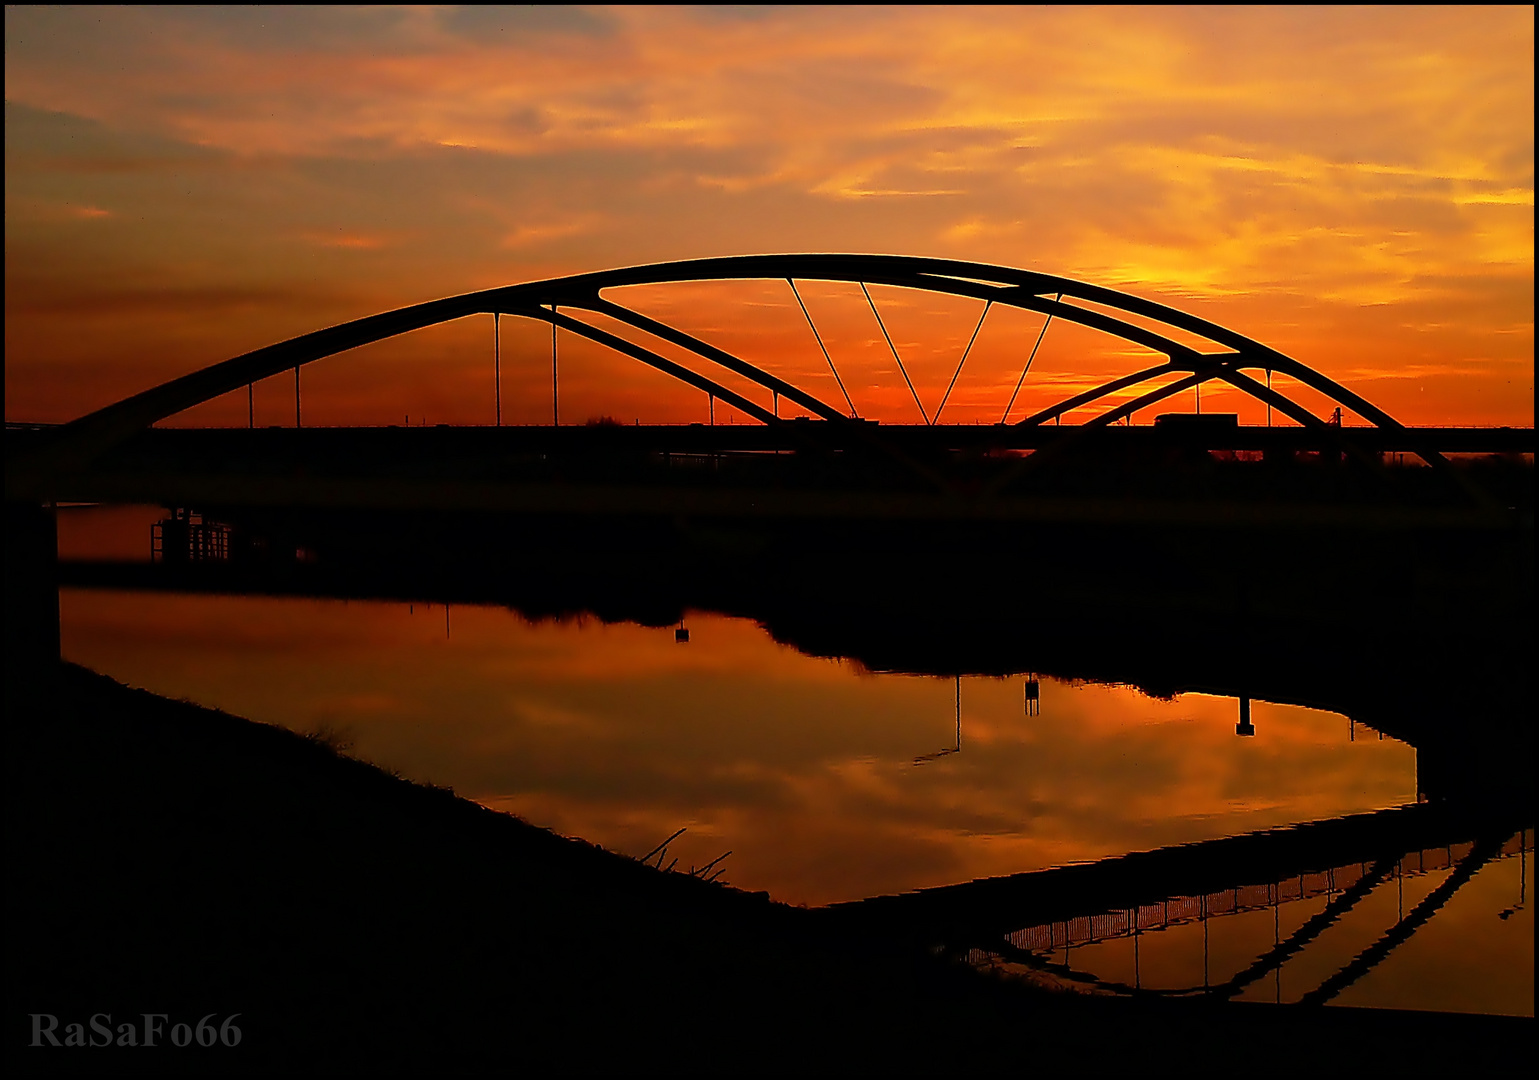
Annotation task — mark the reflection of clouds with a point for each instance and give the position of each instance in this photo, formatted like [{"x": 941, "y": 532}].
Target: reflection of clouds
[{"x": 802, "y": 766}]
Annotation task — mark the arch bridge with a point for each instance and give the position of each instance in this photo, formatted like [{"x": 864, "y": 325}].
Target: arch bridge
[
  {"x": 378, "y": 491},
  {"x": 568, "y": 303}
]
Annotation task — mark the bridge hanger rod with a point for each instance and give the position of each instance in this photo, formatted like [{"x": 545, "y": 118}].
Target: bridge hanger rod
[
  {"x": 1111, "y": 416},
  {"x": 819, "y": 336},
  {"x": 1294, "y": 411},
  {"x": 685, "y": 375},
  {"x": 1020, "y": 297},
  {"x": 652, "y": 359},
  {"x": 883, "y": 327},
  {"x": 943, "y": 275},
  {"x": 710, "y": 352},
  {"x": 1076, "y": 435},
  {"x": 1040, "y": 335},
  {"x": 1228, "y": 370},
  {"x": 947, "y": 395},
  {"x": 1183, "y": 356},
  {"x": 1069, "y": 404}
]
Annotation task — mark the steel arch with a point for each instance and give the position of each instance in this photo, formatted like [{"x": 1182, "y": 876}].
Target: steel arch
[{"x": 83, "y": 439}]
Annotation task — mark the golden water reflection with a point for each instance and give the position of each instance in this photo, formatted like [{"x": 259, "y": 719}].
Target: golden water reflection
[{"x": 804, "y": 768}]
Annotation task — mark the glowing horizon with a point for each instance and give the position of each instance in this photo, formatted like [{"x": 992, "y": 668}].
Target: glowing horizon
[{"x": 1351, "y": 187}]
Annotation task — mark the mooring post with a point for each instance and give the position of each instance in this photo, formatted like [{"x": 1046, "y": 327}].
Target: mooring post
[{"x": 296, "y": 395}]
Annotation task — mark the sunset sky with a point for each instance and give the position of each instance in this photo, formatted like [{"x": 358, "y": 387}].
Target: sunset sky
[{"x": 1354, "y": 187}]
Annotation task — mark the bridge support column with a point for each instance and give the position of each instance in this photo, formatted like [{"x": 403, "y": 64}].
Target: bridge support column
[{"x": 31, "y": 591}]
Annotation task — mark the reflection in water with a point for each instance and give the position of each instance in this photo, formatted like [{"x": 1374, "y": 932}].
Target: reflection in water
[
  {"x": 803, "y": 770},
  {"x": 1321, "y": 936},
  {"x": 956, "y": 747},
  {"x": 802, "y": 766}
]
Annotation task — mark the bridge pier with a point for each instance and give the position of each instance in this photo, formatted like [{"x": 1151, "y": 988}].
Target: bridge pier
[{"x": 31, "y": 590}]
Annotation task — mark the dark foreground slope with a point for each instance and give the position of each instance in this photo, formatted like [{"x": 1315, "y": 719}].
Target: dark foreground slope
[{"x": 166, "y": 859}]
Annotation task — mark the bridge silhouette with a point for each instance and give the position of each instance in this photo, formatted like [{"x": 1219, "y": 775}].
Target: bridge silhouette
[
  {"x": 833, "y": 465},
  {"x": 833, "y": 513},
  {"x": 1230, "y": 356},
  {"x": 1288, "y": 563}
]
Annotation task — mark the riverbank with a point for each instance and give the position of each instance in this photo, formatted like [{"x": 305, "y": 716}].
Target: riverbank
[{"x": 169, "y": 859}]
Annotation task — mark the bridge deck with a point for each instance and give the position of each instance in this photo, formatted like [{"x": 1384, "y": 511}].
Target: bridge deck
[{"x": 1188, "y": 474}]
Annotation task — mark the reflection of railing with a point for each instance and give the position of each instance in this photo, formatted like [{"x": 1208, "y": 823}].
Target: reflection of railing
[
  {"x": 1035, "y": 920},
  {"x": 1090, "y": 929},
  {"x": 984, "y": 911},
  {"x": 1034, "y": 949}
]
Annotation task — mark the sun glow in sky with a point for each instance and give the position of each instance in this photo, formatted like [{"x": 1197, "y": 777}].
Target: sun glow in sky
[{"x": 1353, "y": 187}]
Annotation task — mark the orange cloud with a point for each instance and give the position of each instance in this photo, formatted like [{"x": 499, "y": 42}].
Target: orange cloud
[
  {"x": 341, "y": 239},
  {"x": 1352, "y": 186}
]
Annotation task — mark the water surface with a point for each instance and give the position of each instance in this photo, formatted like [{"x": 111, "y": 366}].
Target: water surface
[
  {"x": 829, "y": 783},
  {"x": 805, "y": 768}
]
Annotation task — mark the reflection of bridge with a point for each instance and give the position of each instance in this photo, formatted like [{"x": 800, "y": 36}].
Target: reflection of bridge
[
  {"x": 1343, "y": 887},
  {"x": 1035, "y": 919}
]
